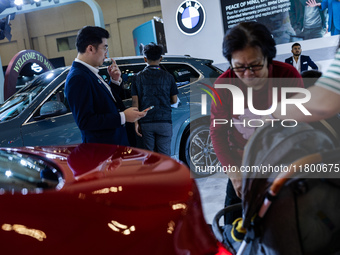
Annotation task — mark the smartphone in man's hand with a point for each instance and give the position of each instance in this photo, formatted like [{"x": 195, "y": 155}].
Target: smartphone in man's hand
[{"x": 149, "y": 108}]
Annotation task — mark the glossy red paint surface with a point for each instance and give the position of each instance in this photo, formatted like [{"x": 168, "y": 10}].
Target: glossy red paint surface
[{"x": 114, "y": 200}]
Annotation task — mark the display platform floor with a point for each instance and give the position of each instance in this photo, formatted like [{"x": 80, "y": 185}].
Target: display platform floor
[{"x": 212, "y": 190}]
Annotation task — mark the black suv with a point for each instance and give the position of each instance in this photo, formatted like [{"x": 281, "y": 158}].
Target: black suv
[{"x": 38, "y": 114}]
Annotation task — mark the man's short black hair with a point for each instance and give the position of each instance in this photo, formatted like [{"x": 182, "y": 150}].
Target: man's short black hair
[
  {"x": 251, "y": 34},
  {"x": 90, "y": 35},
  {"x": 296, "y": 44},
  {"x": 152, "y": 51}
]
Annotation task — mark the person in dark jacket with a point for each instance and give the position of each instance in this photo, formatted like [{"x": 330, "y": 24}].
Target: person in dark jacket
[
  {"x": 97, "y": 109},
  {"x": 154, "y": 90},
  {"x": 300, "y": 62}
]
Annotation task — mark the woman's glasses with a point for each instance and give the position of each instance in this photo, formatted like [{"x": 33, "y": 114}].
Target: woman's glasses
[{"x": 252, "y": 68}]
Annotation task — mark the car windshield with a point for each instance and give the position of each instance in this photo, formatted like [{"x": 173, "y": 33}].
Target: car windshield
[
  {"x": 24, "y": 97},
  {"x": 26, "y": 173}
]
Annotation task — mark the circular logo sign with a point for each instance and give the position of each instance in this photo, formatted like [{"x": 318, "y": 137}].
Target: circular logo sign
[{"x": 190, "y": 17}]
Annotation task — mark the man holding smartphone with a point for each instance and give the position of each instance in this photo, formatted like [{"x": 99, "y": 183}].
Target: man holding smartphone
[
  {"x": 154, "y": 90},
  {"x": 97, "y": 109}
]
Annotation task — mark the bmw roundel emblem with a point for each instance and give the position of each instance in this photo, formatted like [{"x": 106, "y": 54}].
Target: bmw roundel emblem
[{"x": 190, "y": 17}]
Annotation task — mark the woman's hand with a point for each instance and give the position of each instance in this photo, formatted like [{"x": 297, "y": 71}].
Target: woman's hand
[
  {"x": 237, "y": 184},
  {"x": 243, "y": 126}
]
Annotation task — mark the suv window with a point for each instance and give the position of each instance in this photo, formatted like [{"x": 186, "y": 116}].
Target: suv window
[
  {"x": 58, "y": 96},
  {"x": 183, "y": 73},
  {"x": 128, "y": 74},
  {"x": 23, "y": 99}
]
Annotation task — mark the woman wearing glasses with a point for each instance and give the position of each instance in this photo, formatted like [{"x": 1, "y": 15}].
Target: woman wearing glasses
[{"x": 249, "y": 49}]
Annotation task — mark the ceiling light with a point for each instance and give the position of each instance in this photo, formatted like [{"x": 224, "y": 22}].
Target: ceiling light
[
  {"x": 18, "y": 2},
  {"x": 37, "y": 3}
]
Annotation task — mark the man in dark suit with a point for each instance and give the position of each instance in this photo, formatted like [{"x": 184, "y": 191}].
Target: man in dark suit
[
  {"x": 300, "y": 62},
  {"x": 97, "y": 109}
]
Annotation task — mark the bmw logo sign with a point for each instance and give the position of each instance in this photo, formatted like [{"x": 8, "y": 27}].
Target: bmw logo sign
[{"x": 190, "y": 17}]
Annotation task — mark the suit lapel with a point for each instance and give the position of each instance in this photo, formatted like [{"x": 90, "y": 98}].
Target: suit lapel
[
  {"x": 102, "y": 86},
  {"x": 95, "y": 79},
  {"x": 119, "y": 103}
]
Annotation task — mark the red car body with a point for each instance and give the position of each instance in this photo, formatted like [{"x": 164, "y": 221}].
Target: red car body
[{"x": 99, "y": 199}]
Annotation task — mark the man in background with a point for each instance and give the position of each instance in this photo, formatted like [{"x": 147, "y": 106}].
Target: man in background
[
  {"x": 300, "y": 62},
  {"x": 155, "y": 88}
]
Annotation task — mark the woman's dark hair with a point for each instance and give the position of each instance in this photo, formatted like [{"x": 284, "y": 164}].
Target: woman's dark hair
[
  {"x": 90, "y": 35},
  {"x": 251, "y": 34},
  {"x": 152, "y": 51}
]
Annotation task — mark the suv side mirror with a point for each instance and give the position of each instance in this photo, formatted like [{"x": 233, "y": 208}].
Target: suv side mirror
[{"x": 50, "y": 109}]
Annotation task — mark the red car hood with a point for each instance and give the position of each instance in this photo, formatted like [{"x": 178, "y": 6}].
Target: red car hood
[{"x": 114, "y": 200}]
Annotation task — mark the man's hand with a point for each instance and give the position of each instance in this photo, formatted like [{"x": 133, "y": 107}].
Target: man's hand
[
  {"x": 114, "y": 71},
  {"x": 312, "y": 3},
  {"x": 132, "y": 114},
  {"x": 137, "y": 129},
  {"x": 237, "y": 184},
  {"x": 236, "y": 179}
]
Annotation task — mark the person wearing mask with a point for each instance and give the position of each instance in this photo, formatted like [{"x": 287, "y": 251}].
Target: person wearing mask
[
  {"x": 97, "y": 109},
  {"x": 249, "y": 48}
]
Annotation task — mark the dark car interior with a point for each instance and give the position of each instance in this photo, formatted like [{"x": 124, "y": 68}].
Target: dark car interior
[{"x": 183, "y": 74}]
